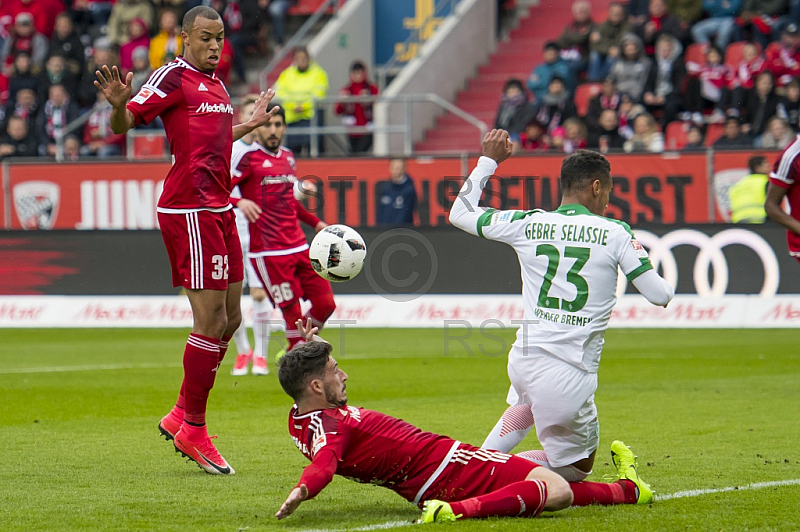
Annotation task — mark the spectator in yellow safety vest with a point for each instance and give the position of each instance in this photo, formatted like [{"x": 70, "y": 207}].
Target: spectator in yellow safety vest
[
  {"x": 296, "y": 90},
  {"x": 749, "y": 193}
]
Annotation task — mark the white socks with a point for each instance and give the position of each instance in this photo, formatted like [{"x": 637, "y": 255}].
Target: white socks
[
  {"x": 515, "y": 423},
  {"x": 241, "y": 340},
  {"x": 262, "y": 311}
]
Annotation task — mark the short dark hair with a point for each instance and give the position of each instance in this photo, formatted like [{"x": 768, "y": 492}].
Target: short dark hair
[
  {"x": 300, "y": 50},
  {"x": 553, "y": 45},
  {"x": 281, "y": 112},
  {"x": 303, "y": 363},
  {"x": 513, "y": 82},
  {"x": 198, "y": 12},
  {"x": 582, "y": 168},
  {"x": 755, "y": 162}
]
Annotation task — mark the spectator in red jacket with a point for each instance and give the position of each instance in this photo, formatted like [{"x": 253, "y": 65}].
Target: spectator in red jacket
[
  {"x": 98, "y": 138},
  {"x": 740, "y": 79},
  {"x": 706, "y": 86},
  {"x": 358, "y": 114},
  {"x": 783, "y": 56},
  {"x": 25, "y": 38},
  {"x": 137, "y": 36},
  {"x": 659, "y": 21},
  {"x": 533, "y": 139},
  {"x": 44, "y": 13}
]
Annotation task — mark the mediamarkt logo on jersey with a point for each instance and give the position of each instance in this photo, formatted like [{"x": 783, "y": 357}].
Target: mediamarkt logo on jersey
[{"x": 206, "y": 107}]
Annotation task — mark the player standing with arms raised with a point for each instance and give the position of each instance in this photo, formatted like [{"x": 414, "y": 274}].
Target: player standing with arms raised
[
  {"x": 783, "y": 183},
  {"x": 194, "y": 211},
  {"x": 569, "y": 260},
  {"x": 265, "y": 174}
]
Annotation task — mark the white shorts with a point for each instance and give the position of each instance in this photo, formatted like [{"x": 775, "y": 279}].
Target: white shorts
[
  {"x": 251, "y": 279},
  {"x": 561, "y": 398}
]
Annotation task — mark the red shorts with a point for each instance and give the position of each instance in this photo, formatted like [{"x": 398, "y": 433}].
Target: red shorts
[
  {"x": 473, "y": 471},
  {"x": 203, "y": 249},
  {"x": 288, "y": 278}
]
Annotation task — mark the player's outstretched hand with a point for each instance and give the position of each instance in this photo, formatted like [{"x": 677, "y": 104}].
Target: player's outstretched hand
[
  {"x": 260, "y": 115},
  {"x": 249, "y": 208},
  {"x": 298, "y": 495},
  {"x": 497, "y": 145},
  {"x": 109, "y": 82},
  {"x": 307, "y": 330}
]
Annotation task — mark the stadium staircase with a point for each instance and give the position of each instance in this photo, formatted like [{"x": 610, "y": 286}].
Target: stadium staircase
[{"x": 515, "y": 57}]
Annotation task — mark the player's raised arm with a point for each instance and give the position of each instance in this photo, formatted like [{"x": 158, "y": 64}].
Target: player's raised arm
[
  {"x": 259, "y": 117},
  {"x": 465, "y": 212},
  {"x": 638, "y": 269},
  {"x": 654, "y": 288},
  {"x": 117, "y": 92}
]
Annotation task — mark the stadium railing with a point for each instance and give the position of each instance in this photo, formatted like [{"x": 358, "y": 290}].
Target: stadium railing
[{"x": 143, "y": 144}]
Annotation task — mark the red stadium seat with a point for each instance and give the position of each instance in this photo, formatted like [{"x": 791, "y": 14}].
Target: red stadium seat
[
  {"x": 583, "y": 93},
  {"x": 307, "y": 7},
  {"x": 733, "y": 53},
  {"x": 696, "y": 53},
  {"x": 675, "y": 138},
  {"x": 714, "y": 132}
]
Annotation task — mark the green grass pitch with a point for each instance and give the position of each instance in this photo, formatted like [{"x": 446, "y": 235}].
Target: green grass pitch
[{"x": 703, "y": 409}]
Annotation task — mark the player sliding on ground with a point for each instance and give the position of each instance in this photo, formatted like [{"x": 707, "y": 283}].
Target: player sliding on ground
[
  {"x": 448, "y": 479},
  {"x": 569, "y": 260}
]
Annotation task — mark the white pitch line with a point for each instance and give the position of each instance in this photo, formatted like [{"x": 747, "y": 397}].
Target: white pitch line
[
  {"x": 367, "y": 528},
  {"x": 755, "y": 486},
  {"x": 665, "y": 497},
  {"x": 98, "y": 367}
]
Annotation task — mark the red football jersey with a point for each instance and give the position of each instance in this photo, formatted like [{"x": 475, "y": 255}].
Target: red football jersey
[
  {"x": 368, "y": 447},
  {"x": 785, "y": 174},
  {"x": 269, "y": 179},
  {"x": 198, "y": 118}
]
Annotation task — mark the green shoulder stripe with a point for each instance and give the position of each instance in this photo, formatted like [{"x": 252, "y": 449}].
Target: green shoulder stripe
[
  {"x": 645, "y": 266},
  {"x": 620, "y": 222},
  {"x": 493, "y": 216}
]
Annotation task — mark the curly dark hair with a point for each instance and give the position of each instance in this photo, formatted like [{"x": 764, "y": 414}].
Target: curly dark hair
[{"x": 303, "y": 363}]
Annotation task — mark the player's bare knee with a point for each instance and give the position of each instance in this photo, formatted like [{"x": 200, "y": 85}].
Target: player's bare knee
[
  {"x": 232, "y": 323},
  {"x": 559, "y": 494},
  {"x": 214, "y": 324}
]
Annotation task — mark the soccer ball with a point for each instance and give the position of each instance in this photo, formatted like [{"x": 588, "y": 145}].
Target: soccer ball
[{"x": 337, "y": 253}]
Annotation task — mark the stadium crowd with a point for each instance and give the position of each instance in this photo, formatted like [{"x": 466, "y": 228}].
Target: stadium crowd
[
  {"x": 50, "y": 50},
  {"x": 659, "y": 75}
]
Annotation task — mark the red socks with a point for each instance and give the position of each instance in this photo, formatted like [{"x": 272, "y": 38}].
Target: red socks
[
  {"x": 200, "y": 361},
  {"x": 291, "y": 314},
  {"x": 588, "y": 493},
  {"x": 223, "y": 348},
  {"x": 522, "y": 499}
]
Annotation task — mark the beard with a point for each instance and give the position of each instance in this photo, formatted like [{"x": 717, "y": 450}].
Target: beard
[{"x": 332, "y": 399}]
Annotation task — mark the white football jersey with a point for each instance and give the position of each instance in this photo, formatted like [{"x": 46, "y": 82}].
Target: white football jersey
[{"x": 569, "y": 260}]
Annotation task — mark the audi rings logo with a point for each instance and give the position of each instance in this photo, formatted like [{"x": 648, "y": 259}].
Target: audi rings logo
[
  {"x": 401, "y": 265},
  {"x": 710, "y": 254}
]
